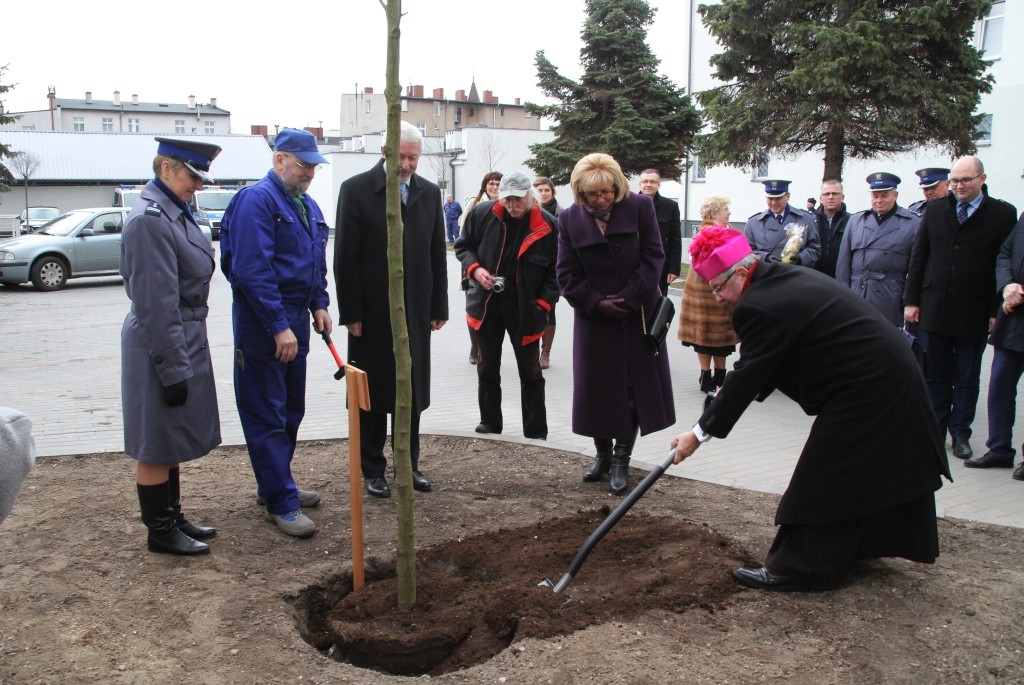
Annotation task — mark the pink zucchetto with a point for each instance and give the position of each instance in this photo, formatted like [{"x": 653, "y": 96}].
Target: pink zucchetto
[{"x": 715, "y": 249}]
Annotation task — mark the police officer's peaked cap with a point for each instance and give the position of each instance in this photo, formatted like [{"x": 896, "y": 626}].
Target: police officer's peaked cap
[
  {"x": 775, "y": 188},
  {"x": 193, "y": 154},
  {"x": 930, "y": 177},
  {"x": 882, "y": 181}
]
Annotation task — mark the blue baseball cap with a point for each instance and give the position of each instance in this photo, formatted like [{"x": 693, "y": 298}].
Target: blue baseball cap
[
  {"x": 882, "y": 181},
  {"x": 193, "y": 154},
  {"x": 930, "y": 177},
  {"x": 775, "y": 188},
  {"x": 300, "y": 143}
]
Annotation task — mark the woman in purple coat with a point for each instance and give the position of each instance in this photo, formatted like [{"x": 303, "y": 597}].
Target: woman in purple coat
[{"x": 608, "y": 270}]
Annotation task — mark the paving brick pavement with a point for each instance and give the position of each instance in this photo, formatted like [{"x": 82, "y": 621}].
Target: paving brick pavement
[{"x": 60, "y": 364}]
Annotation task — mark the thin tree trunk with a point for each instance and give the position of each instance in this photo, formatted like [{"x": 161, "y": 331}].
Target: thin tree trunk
[{"x": 406, "y": 543}]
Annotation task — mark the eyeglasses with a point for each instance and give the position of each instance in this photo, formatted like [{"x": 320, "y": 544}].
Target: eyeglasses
[
  {"x": 593, "y": 195},
  {"x": 832, "y": 194},
  {"x": 305, "y": 167},
  {"x": 720, "y": 286},
  {"x": 494, "y": 183},
  {"x": 962, "y": 181}
]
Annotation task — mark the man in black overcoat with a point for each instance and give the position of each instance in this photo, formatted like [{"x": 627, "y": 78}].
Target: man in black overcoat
[
  {"x": 361, "y": 277},
  {"x": 951, "y": 294},
  {"x": 864, "y": 484},
  {"x": 671, "y": 226}
]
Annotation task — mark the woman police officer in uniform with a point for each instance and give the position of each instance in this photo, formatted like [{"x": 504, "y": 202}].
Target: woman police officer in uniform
[{"x": 168, "y": 394}]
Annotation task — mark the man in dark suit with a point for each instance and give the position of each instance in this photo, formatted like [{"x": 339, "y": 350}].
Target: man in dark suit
[
  {"x": 1007, "y": 342},
  {"x": 951, "y": 293},
  {"x": 667, "y": 212},
  {"x": 865, "y": 481},
  {"x": 361, "y": 276}
]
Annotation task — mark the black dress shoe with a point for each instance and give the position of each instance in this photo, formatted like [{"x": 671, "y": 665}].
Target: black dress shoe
[
  {"x": 487, "y": 428},
  {"x": 378, "y": 487},
  {"x": 763, "y": 579},
  {"x": 962, "y": 448},
  {"x": 1018, "y": 473},
  {"x": 420, "y": 482},
  {"x": 988, "y": 461}
]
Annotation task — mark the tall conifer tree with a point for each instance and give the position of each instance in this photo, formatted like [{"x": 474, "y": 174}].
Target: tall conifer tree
[
  {"x": 621, "y": 105},
  {"x": 6, "y": 177},
  {"x": 852, "y": 78}
]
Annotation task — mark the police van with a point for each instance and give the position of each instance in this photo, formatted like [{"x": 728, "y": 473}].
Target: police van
[
  {"x": 125, "y": 195},
  {"x": 208, "y": 206}
]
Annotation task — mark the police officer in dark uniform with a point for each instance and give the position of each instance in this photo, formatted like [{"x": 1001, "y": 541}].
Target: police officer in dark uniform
[
  {"x": 874, "y": 256},
  {"x": 934, "y": 184},
  {"x": 783, "y": 233},
  {"x": 168, "y": 393}
]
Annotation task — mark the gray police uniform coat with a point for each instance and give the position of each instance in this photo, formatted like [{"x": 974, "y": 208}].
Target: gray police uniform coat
[
  {"x": 767, "y": 237},
  {"x": 874, "y": 259},
  {"x": 166, "y": 263}
]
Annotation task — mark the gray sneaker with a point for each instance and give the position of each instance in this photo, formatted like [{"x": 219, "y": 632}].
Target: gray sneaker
[
  {"x": 294, "y": 523},
  {"x": 307, "y": 498}
]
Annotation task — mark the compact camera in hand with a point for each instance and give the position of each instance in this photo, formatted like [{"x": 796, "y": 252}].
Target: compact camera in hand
[{"x": 499, "y": 284}]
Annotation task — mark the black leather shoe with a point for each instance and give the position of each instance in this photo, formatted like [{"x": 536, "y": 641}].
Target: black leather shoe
[
  {"x": 487, "y": 428},
  {"x": 763, "y": 579},
  {"x": 196, "y": 532},
  {"x": 962, "y": 448},
  {"x": 420, "y": 482},
  {"x": 988, "y": 461},
  {"x": 378, "y": 487},
  {"x": 1018, "y": 473}
]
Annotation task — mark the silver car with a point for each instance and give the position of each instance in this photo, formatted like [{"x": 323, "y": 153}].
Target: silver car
[{"x": 82, "y": 242}]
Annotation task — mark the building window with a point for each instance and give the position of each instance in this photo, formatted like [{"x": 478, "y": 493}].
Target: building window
[
  {"x": 368, "y": 106},
  {"x": 78, "y": 123},
  {"x": 405, "y": 105},
  {"x": 133, "y": 125},
  {"x": 527, "y": 114},
  {"x": 983, "y": 132},
  {"x": 700, "y": 173},
  {"x": 209, "y": 127},
  {"x": 422, "y": 128},
  {"x": 501, "y": 111},
  {"x": 991, "y": 33},
  {"x": 760, "y": 170},
  {"x": 437, "y": 108},
  {"x": 108, "y": 125},
  {"x": 179, "y": 125}
]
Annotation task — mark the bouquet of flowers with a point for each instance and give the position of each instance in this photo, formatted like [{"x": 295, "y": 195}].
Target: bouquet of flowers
[{"x": 793, "y": 243}]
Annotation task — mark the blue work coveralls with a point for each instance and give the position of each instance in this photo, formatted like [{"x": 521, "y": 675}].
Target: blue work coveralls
[{"x": 275, "y": 259}]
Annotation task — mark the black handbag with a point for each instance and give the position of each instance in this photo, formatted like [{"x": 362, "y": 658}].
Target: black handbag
[{"x": 660, "y": 322}]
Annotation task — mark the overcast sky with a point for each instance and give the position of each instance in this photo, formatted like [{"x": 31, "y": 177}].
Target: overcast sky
[{"x": 291, "y": 66}]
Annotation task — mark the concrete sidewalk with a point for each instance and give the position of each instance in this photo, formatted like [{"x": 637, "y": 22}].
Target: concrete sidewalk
[{"x": 60, "y": 363}]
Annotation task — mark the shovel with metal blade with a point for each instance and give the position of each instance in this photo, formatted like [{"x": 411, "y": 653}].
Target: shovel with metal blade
[{"x": 608, "y": 523}]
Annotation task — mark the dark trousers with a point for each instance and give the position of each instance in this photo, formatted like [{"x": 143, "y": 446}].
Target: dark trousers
[
  {"x": 452, "y": 230},
  {"x": 271, "y": 401},
  {"x": 1007, "y": 368},
  {"x": 820, "y": 555},
  {"x": 373, "y": 433},
  {"x": 954, "y": 379},
  {"x": 502, "y": 319}
]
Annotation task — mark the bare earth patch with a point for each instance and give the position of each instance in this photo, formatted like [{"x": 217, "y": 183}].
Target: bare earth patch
[{"x": 81, "y": 600}]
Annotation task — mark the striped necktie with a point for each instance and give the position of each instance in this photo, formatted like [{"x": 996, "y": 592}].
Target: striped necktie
[
  {"x": 961, "y": 212},
  {"x": 405, "y": 191}
]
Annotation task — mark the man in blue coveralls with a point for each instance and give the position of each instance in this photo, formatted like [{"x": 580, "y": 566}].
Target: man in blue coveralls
[{"x": 273, "y": 245}]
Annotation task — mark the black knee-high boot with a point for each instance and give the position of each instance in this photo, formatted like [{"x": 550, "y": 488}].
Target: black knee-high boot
[
  {"x": 158, "y": 516},
  {"x": 602, "y": 461},
  {"x": 174, "y": 495},
  {"x": 623, "y": 450}
]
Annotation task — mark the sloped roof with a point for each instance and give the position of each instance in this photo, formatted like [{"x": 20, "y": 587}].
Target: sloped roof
[
  {"x": 128, "y": 157},
  {"x": 128, "y": 107}
]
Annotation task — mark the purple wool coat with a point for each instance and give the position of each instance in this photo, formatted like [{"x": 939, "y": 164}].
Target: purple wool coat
[{"x": 612, "y": 358}]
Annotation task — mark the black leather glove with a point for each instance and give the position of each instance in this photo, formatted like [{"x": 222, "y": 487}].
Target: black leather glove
[
  {"x": 613, "y": 308},
  {"x": 175, "y": 395}
]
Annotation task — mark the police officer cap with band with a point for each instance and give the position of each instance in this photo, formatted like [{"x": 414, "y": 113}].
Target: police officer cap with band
[
  {"x": 883, "y": 181},
  {"x": 930, "y": 177},
  {"x": 197, "y": 157},
  {"x": 775, "y": 188}
]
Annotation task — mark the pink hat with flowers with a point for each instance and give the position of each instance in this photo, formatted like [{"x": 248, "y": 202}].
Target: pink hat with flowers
[{"x": 715, "y": 249}]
